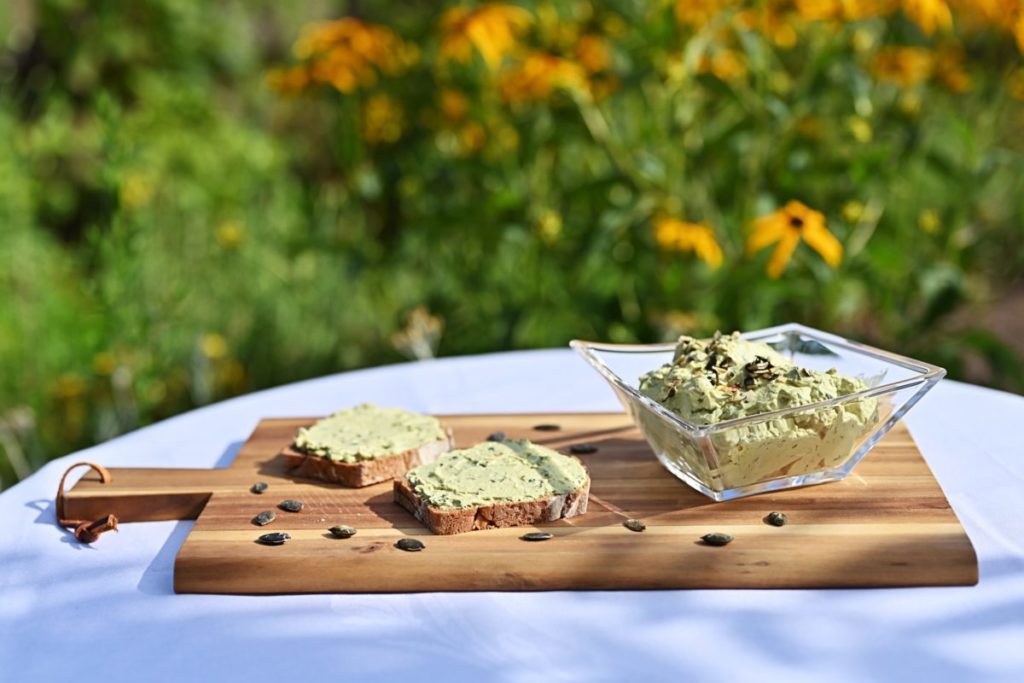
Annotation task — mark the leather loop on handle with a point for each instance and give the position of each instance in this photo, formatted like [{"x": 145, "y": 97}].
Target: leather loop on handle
[{"x": 62, "y": 520}]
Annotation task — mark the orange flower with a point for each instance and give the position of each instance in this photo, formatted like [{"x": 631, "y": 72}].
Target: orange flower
[
  {"x": 491, "y": 28},
  {"x": 288, "y": 80},
  {"x": 1007, "y": 15},
  {"x": 674, "y": 234},
  {"x": 698, "y": 13},
  {"x": 454, "y": 104},
  {"x": 1015, "y": 84},
  {"x": 346, "y": 54},
  {"x": 593, "y": 53},
  {"x": 725, "y": 65},
  {"x": 773, "y": 20},
  {"x": 382, "y": 120},
  {"x": 949, "y": 67},
  {"x": 906, "y": 66},
  {"x": 537, "y": 76},
  {"x": 786, "y": 228},
  {"x": 929, "y": 14},
  {"x": 850, "y": 10}
]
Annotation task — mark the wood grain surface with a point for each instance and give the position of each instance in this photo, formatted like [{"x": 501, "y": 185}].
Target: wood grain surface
[{"x": 887, "y": 524}]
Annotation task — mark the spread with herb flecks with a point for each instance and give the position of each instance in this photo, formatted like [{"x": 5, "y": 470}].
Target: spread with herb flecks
[
  {"x": 496, "y": 472},
  {"x": 726, "y": 377},
  {"x": 368, "y": 432}
]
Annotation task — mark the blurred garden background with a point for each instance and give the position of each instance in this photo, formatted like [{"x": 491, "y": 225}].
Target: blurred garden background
[{"x": 201, "y": 199}]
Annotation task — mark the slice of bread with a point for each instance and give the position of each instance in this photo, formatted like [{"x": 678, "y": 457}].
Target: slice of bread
[
  {"x": 308, "y": 457},
  {"x": 447, "y": 519}
]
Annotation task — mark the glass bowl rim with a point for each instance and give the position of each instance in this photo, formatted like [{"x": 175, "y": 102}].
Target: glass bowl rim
[{"x": 924, "y": 373}]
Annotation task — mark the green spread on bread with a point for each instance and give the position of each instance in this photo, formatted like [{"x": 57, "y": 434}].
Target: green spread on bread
[
  {"x": 496, "y": 472},
  {"x": 368, "y": 432}
]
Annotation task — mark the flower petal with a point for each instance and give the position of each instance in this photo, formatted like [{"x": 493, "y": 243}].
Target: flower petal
[
  {"x": 707, "y": 248},
  {"x": 824, "y": 242},
  {"x": 783, "y": 252},
  {"x": 767, "y": 229}
]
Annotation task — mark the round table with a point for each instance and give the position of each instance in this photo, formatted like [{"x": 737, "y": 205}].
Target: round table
[{"x": 107, "y": 612}]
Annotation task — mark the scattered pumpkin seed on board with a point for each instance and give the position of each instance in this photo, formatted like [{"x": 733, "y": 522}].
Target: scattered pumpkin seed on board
[
  {"x": 276, "y": 538},
  {"x": 716, "y": 539},
  {"x": 411, "y": 545},
  {"x": 264, "y": 518}
]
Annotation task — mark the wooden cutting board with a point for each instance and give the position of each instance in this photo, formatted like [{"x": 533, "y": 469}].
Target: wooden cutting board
[{"x": 887, "y": 524}]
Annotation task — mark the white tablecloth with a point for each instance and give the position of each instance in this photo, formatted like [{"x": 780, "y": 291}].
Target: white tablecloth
[{"x": 108, "y": 613}]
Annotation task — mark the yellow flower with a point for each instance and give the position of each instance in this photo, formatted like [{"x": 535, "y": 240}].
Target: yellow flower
[
  {"x": 382, "y": 120},
  {"x": 771, "y": 20},
  {"x": 104, "y": 363},
  {"x": 929, "y": 14},
  {"x": 905, "y": 66},
  {"x": 786, "y": 228},
  {"x": 1018, "y": 29},
  {"x": 949, "y": 67},
  {"x": 852, "y": 211},
  {"x": 673, "y": 234},
  {"x": 1006, "y": 15},
  {"x": 491, "y": 28},
  {"x": 698, "y": 13},
  {"x": 136, "y": 191},
  {"x": 472, "y": 137},
  {"x": 593, "y": 53},
  {"x": 230, "y": 234},
  {"x": 454, "y": 104},
  {"x": 725, "y": 65},
  {"x": 213, "y": 345},
  {"x": 346, "y": 54},
  {"x": 860, "y": 129},
  {"x": 289, "y": 80},
  {"x": 1015, "y": 84},
  {"x": 538, "y": 75},
  {"x": 850, "y": 10},
  {"x": 929, "y": 221},
  {"x": 820, "y": 10},
  {"x": 549, "y": 225}
]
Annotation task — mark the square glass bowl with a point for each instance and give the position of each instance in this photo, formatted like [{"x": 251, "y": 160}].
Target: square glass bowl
[{"x": 809, "y": 444}]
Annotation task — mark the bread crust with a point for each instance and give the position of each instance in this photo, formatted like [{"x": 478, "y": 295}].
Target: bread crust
[
  {"x": 500, "y": 515},
  {"x": 364, "y": 472}
]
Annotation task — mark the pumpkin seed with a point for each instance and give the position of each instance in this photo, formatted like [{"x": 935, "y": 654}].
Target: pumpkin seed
[
  {"x": 290, "y": 505},
  {"x": 582, "y": 448},
  {"x": 497, "y": 436},
  {"x": 259, "y": 487},
  {"x": 537, "y": 536},
  {"x": 276, "y": 538},
  {"x": 264, "y": 518},
  {"x": 411, "y": 545},
  {"x": 342, "y": 531},
  {"x": 776, "y": 518},
  {"x": 547, "y": 427},
  {"x": 634, "y": 525},
  {"x": 716, "y": 539}
]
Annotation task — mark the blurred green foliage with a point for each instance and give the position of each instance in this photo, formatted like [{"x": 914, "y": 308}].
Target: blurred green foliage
[{"x": 174, "y": 231}]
